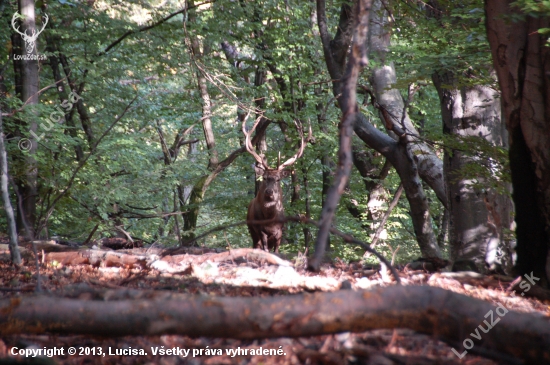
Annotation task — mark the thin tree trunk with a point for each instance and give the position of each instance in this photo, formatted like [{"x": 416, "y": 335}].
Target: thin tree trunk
[
  {"x": 196, "y": 193},
  {"x": 4, "y": 177},
  {"x": 80, "y": 107},
  {"x": 384, "y": 219},
  {"x": 307, "y": 231},
  {"x": 348, "y": 103},
  {"x": 207, "y": 123},
  {"x": 443, "y": 235},
  {"x": 54, "y": 63}
]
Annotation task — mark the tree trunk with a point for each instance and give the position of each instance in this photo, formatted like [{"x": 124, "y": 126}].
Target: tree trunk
[
  {"x": 4, "y": 177},
  {"x": 357, "y": 59},
  {"x": 477, "y": 215},
  {"x": 444, "y": 314},
  {"x": 373, "y": 178},
  {"x": 80, "y": 107},
  {"x": 443, "y": 235},
  {"x": 62, "y": 92},
  {"x": 202, "y": 84},
  {"x": 522, "y": 61},
  {"x": 29, "y": 96},
  {"x": 383, "y": 80}
]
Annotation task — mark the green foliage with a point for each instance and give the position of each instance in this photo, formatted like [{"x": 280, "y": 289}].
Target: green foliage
[{"x": 442, "y": 37}]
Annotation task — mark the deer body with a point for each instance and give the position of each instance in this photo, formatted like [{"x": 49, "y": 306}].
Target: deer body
[
  {"x": 267, "y": 205},
  {"x": 265, "y": 211}
]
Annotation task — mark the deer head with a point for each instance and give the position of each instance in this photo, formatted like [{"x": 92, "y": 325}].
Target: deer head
[{"x": 30, "y": 40}]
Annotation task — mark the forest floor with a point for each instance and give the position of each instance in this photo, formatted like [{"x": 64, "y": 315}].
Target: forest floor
[{"x": 243, "y": 273}]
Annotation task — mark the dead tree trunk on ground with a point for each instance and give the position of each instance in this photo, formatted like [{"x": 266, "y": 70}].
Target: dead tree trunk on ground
[{"x": 444, "y": 314}]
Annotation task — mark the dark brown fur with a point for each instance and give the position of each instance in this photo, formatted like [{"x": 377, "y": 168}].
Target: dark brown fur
[{"x": 267, "y": 205}]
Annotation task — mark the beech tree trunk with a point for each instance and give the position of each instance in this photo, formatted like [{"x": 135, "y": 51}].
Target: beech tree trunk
[
  {"x": 478, "y": 215},
  {"x": 383, "y": 79},
  {"x": 448, "y": 316},
  {"x": 15, "y": 255},
  {"x": 29, "y": 95},
  {"x": 373, "y": 176},
  {"x": 521, "y": 59}
]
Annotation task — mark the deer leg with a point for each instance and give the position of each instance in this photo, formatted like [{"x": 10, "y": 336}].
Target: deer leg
[
  {"x": 257, "y": 243},
  {"x": 277, "y": 242},
  {"x": 256, "y": 239},
  {"x": 264, "y": 241}
]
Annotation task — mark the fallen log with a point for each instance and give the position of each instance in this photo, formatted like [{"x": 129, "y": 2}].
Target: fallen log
[
  {"x": 98, "y": 258},
  {"x": 127, "y": 259},
  {"x": 449, "y": 316}
]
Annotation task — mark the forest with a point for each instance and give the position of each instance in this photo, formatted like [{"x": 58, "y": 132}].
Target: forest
[{"x": 275, "y": 182}]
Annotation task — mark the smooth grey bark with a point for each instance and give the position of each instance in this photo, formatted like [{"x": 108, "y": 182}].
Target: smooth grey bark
[
  {"x": 398, "y": 152},
  {"x": 373, "y": 176},
  {"x": 386, "y": 215},
  {"x": 443, "y": 235},
  {"x": 15, "y": 255},
  {"x": 29, "y": 96},
  {"x": 478, "y": 216},
  {"x": 383, "y": 79},
  {"x": 207, "y": 122},
  {"x": 521, "y": 59}
]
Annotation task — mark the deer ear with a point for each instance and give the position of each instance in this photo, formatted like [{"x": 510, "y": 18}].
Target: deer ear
[
  {"x": 285, "y": 173},
  {"x": 259, "y": 170}
]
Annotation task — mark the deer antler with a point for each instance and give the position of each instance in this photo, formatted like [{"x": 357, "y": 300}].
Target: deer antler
[
  {"x": 300, "y": 152},
  {"x": 248, "y": 143},
  {"x": 16, "y": 16}
]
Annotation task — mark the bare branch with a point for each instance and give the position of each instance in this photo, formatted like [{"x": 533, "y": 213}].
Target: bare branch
[{"x": 148, "y": 27}]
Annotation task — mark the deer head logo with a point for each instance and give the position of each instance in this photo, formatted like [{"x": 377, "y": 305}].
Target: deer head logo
[{"x": 30, "y": 40}]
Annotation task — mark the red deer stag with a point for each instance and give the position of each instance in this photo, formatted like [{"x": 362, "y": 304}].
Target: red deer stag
[{"x": 268, "y": 204}]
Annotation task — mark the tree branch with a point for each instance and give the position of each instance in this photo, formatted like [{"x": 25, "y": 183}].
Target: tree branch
[{"x": 148, "y": 27}]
